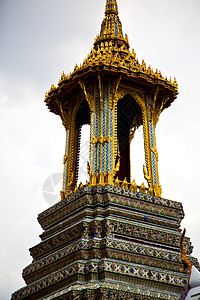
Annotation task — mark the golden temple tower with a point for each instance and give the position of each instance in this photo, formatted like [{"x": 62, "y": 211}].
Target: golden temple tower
[
  {"x": 115, "y": 94},
  {"x": 109, "y": 238}
]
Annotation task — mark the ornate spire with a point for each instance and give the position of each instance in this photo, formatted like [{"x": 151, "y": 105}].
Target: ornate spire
[
  {"x": 111, "y": 27},
  {"x": 111, "y": 7}
]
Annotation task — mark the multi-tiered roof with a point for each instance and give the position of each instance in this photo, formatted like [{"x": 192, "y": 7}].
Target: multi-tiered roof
[{"x": 111, "y": 55}]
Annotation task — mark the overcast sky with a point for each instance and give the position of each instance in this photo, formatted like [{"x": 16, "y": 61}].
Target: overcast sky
[{"x": 41, "y": 38}]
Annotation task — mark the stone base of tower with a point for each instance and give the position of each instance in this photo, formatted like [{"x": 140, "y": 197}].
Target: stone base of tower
[{"x": 108, "y": 242}]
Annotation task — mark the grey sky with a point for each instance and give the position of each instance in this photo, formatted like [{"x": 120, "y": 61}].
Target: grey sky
[{"x": 41, "y": 38}]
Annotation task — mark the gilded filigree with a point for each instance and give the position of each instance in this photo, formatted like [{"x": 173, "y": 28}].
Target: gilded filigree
[
  {"x": 153, "y": 103},
  {"x": 63, "y": 78},
  {"x": 116, "y": 91},
  {"x": 158, "y": 110},
  {"x": 53, "y": 87},
  {"x": 88, "y": 97},
  {"x": 71, "y": 177},
  {"x": 65, "y": 159},
  {"x": 147, "y": 176},
  {"x": 154, "y": 150},
  {"x": 94, "y": 140},
  {"x": 63, "y": 113},
  {"x": 158, "y": 190},
  {"x": 117, "y": 166},
  {"x": 101, "y": 139}
]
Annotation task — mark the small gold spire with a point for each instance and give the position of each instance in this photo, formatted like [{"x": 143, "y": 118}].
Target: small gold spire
[
  {"x": 175, "y": 83},
  {"x": 111, "y": 7},
  {"x": 81, "y": 185},
  {"x": 117, "y": 182},
  {"x": 125, "y": 183},
  {"x": 111, "y": 28},
  {"x": 149, "y": 70},
  {"x": 142, "y": 188},
  {"x": 63, "y": 76},
  {"x": 133, "y": 186},
  {"x": 76, "y": 189},
  {"x": 150, "y": 191},
  {"x": 53, "y": 87}
]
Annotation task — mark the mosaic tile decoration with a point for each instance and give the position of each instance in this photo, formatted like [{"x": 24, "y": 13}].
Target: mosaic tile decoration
[{"x": 116, "y": 248}]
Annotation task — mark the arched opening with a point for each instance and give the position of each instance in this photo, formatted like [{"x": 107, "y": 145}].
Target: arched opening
[
  {"x": 129, "y": 117},
  {"x": 82, "y": 118},
  {"x": 137, "y": 156},
  {"x": 84, "y": 154}
]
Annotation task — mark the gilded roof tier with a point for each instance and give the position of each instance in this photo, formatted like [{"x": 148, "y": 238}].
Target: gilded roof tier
[{"x": 111, "y": 54}]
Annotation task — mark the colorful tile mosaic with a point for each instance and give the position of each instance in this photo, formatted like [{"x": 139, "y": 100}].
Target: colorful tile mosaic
[
  {"x": 107, "y": 245},
  {"x": 100, "y": 238},
  {"x": 105, "y": 290},
  {"x": 102, "y": 267},
  {"x": 142, "y": 201}
]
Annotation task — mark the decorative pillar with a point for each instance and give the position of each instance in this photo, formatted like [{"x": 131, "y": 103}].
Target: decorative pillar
[
  {"x": 151, "y": 153},
  {"x": 101, "y": 153}
]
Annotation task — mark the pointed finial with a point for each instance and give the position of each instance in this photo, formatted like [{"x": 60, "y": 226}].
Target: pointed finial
[
  {"x": 111, "y": 27},
  {"x": 111, "y": 7}
]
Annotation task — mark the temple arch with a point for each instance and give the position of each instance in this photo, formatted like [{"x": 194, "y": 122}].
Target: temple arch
[
  {"x": 129, "y": 118},
  {"x": 84, "y": 154},
  {"x": 137, "y": 156}
]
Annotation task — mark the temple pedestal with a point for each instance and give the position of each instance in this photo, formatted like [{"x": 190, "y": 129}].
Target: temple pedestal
[{"x": 108, "y": 242}]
